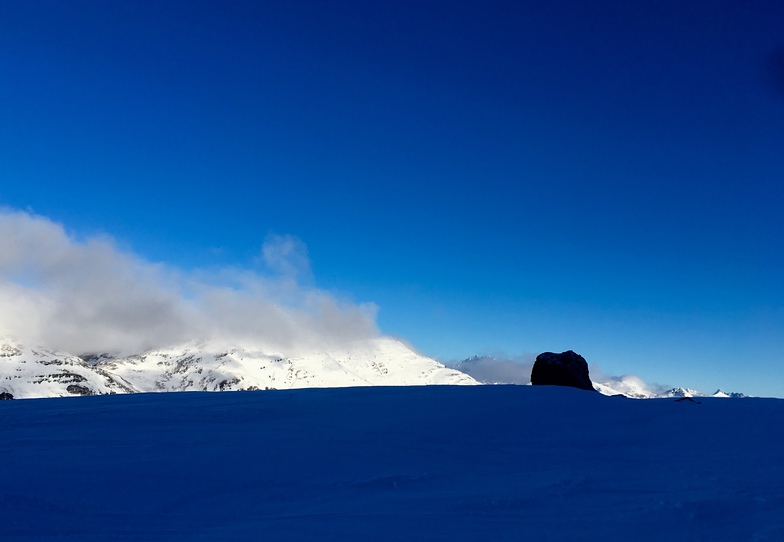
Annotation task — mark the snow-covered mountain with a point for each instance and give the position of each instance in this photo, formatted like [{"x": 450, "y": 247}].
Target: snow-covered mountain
[
  {"x": 212, "y": 367},
  {"x": 38, "y": 372},
  {"x": 732, "y": 394},
  {"x": 209, "y": 366},
  {"x": 27, "y": 372},
  {"x": 632, "y": 386}
]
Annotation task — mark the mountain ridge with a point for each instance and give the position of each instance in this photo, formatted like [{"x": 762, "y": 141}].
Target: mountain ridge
[
  {"x": 489, "y": 369},
  {"x": 32, "y": 372},
  {"x": 27, "y": 372}
]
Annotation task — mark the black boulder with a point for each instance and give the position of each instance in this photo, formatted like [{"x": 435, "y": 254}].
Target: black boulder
[{"x": 564, "y": 369}]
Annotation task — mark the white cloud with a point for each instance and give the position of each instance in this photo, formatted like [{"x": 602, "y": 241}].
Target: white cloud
[
  {"x": 628, "y": 384},
  {"x": 286, "y": 255},
  {"x": 87, "y": 295}
]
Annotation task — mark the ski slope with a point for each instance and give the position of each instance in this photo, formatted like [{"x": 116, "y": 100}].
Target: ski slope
[{"x": 391, "y": 463}]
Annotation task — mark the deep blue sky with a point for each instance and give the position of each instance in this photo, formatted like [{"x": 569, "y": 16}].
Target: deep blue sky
[{"x": 496, "y": 176}]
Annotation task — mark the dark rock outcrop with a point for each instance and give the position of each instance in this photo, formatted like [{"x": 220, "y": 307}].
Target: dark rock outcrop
[
  {"x": 76, "y": 389},
  {"x": 5, "y": 396},
  {"x": 564, "y": 369}
]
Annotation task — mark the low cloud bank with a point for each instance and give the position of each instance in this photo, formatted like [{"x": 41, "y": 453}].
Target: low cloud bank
[
  {"x": 88, "y": 295},
  {"x": 498, "y": 369}
]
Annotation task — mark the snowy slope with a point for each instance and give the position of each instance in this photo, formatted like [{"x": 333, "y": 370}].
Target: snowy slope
[
  {"x": 436, "y": 463},
  {"x": 635, "y": 388},
  {"x": 37, "y": 372},
  {"x": 216, "y": 367},
  {"x": 210, "y": 367}
]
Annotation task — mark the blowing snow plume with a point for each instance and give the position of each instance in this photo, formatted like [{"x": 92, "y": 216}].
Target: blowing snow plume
[{"x": 87, "y": 295}]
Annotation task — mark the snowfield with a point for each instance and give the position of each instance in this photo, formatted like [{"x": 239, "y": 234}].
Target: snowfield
[{"x": 391, "y": 463}]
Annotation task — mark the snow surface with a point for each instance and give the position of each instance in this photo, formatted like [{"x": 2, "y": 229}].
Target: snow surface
[{"x": 391, "y": 463}]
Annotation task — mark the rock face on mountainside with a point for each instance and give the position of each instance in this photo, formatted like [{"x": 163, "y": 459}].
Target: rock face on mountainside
[
  {"x": 564, "y": 369},
  {"x": 36, "y": 372}
]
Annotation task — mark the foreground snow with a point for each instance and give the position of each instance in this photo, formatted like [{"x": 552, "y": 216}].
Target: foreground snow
[{"x": 420, "y": 463}]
